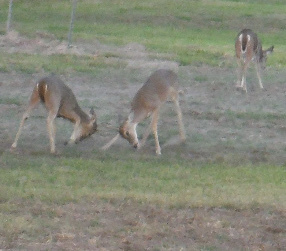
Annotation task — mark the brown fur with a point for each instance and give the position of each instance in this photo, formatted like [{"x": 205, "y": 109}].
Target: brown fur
[
  {"x": 161, "y": 85},
  {"x": 59, "y": 101},
  {"x": 248, "y": 48}
]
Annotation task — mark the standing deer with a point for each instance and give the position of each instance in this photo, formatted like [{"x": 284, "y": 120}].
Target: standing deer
[
  {"x": 248, "y": 48},
  {"x": 60, "y": 102},
  {"x": 161, "y": 85}
]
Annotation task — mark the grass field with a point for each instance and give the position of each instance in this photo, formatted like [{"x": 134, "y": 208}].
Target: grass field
[
  {"x": 224, "y": 189},
  {"x": 175, "y": 184},
  {"x": 194, "y": 32}
]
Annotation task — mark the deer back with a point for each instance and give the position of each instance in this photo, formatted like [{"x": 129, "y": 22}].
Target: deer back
[
  {"x": 59, "y": 98},
  {"x": 153, "y": 93}
]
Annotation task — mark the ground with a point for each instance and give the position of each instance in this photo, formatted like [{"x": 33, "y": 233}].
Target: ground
[
  {"x": 107, "y": 226},
  {"x": 223, "y": 125}
]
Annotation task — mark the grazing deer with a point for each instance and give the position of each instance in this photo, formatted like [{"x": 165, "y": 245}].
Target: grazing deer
[
  {"x": 60, "y": 102},
  {"x": 248, "y": 48},
  {"x": 161, "y": 85}
]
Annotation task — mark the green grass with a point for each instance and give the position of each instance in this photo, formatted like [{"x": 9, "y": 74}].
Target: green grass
[
  {"x": 195, "y": 32},
  {"x": 178, "y": 183},
  {"x": 191, "y": 32},
  {"x": 60, "y": 64},
  {"x": 35, "y": 185}
]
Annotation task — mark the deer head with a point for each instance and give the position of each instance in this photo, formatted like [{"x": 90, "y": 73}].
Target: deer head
[
  {"x": 128, "y": 131},
  {"x": 263, "y": 57},
  {"x": 88, "y": 128}
]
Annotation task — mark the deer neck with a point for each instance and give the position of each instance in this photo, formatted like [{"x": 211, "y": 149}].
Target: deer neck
[
  {"x": 83, "y": 116},
  {"x": 131, "y": 120},
  {"x": 136, "y": 116}
]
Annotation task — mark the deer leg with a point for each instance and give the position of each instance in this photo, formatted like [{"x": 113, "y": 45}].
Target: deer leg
[
  {"x": 243, "y": 83},
  {"x": 180, "y": 120},
  {"x": 258, "y": 71},
  {"x": 243, "y": 79},
  {"x": 34, "y": 100},
  {"x": 75, "y": 133},
  {"x": 145, "y": 136},
  {"x": 111, "y": 142},
  {"x": 239, "y": 74},
  {"x": 154, "y": 124},
  {"x": 25, "y": 117},
  {"x": 76, "y": 130},
  {"x": 52, "y": 130}
]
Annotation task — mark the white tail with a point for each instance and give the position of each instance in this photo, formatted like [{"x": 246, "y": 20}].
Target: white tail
[
  {"x": 248, "y": 48},
  {"x": 161, "y": 85},
  {"x": 60, "y": 102}
]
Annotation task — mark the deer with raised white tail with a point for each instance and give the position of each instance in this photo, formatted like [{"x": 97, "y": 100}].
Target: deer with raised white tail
[
  {"x": 59, "y": 101},
  {"x": 248, "y": 48},
  {"x": 161, "y": 85}
]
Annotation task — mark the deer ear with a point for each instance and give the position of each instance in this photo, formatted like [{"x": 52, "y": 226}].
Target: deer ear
[{"x": 92, "y": 113}]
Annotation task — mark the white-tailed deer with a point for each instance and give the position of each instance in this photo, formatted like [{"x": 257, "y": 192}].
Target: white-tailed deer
[
  {"x": 248, "y": 48},
  {"x": 60, "y": 102},
  {"x": 161, "y": 85}
]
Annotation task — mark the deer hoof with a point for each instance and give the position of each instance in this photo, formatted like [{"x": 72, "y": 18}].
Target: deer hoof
[
  {"x": 55, "y": 153},
  {"x": 183, "y": 139},
  {"x": 12, "y": 149},
  {"x": 69, "y": 142}
]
